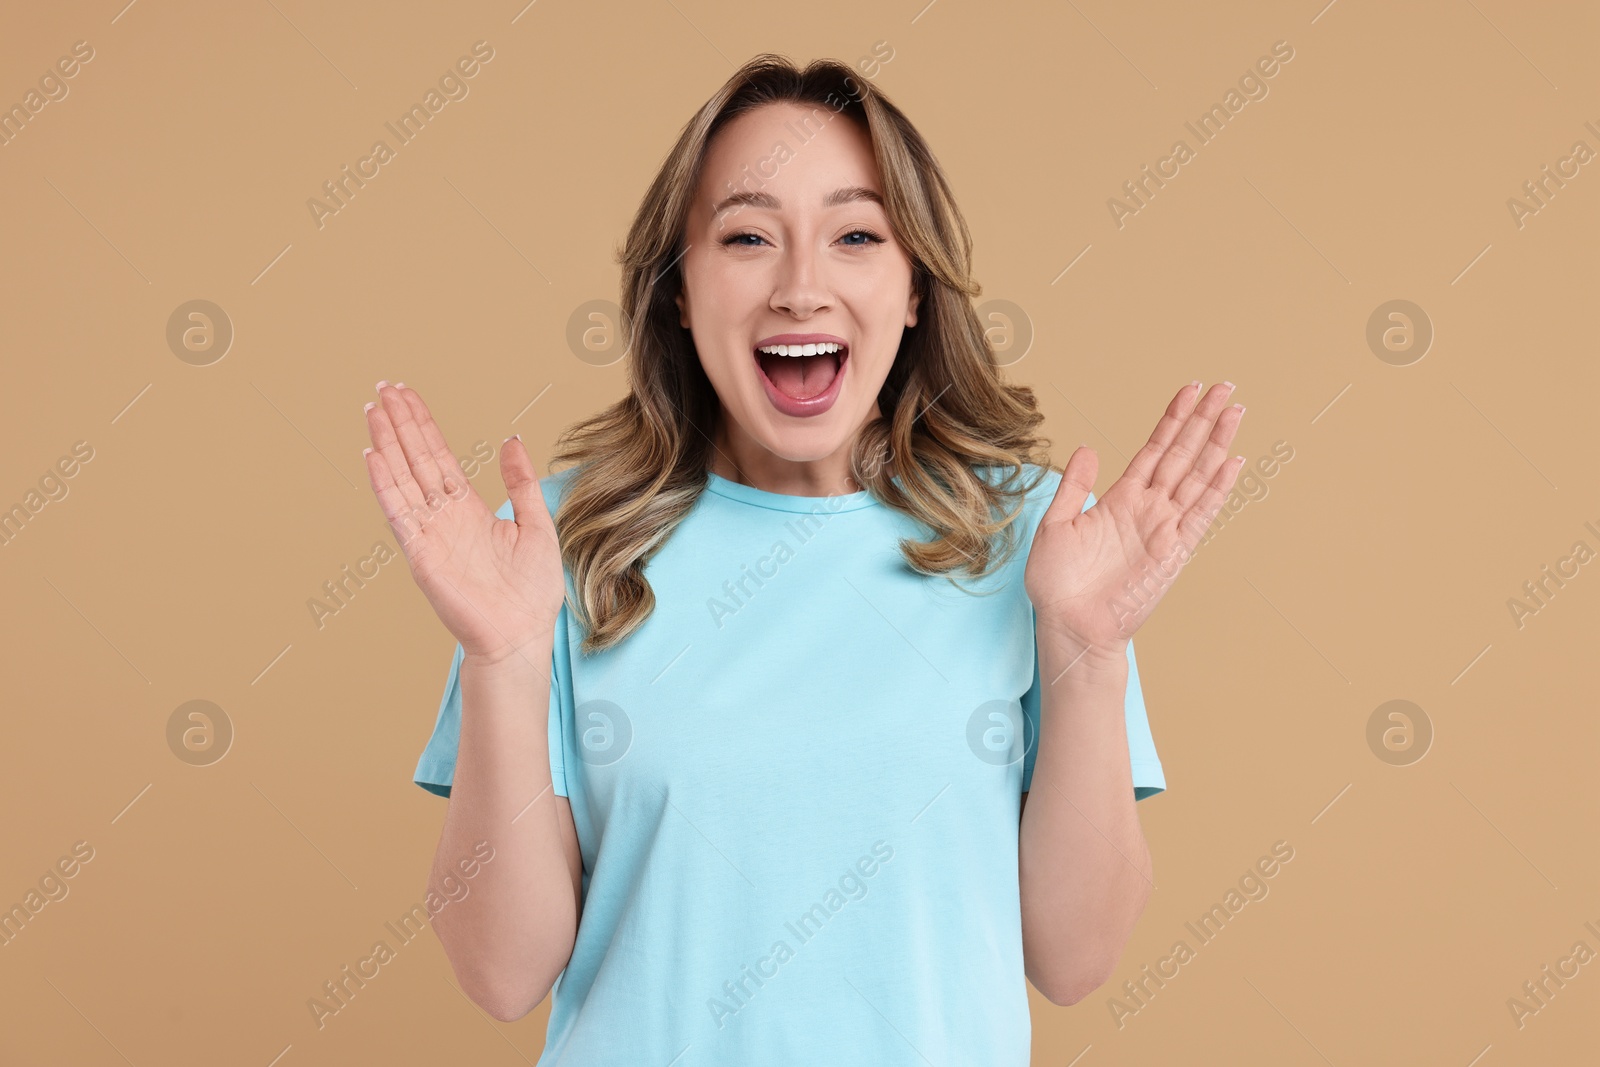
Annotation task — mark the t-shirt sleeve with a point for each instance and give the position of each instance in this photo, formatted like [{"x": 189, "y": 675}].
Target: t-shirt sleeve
[
  {"x": 436, "y": 768},
  {"x": 1148, "y": 779}
]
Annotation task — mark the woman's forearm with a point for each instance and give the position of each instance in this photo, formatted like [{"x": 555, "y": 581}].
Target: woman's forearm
[
  {"x": 1084, "y": 865},
  {"x": 513, "y": 932}
]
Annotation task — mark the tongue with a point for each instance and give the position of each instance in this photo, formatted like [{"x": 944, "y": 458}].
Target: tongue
[{"x": 800, "y": 377}]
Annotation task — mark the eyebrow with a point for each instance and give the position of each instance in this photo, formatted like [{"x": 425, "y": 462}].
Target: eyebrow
[{"x": 846, "y": 195}]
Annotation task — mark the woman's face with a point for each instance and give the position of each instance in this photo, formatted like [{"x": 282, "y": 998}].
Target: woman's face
[{"x": 789, "y": 243}]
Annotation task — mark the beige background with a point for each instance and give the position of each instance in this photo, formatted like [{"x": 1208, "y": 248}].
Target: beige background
[{"x": 1377, "y": 566}]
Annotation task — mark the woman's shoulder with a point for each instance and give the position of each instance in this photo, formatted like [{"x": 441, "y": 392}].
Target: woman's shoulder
[
  {"x": 1031, "y": 479},
  {"x": 554, "y": 484},
  {"x": 1034, "y": 484}
]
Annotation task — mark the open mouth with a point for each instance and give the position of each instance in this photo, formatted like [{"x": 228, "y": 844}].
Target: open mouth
[{"x": 802, "y": 379}]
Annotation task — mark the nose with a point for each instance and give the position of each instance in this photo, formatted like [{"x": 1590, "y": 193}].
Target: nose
[{"x": 800, "y": 286}]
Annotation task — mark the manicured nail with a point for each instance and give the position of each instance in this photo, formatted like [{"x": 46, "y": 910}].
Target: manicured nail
[
  {"x": 383, "y": 383},
  {"x": 1240, "y": 407},
  {"x": 1195, "y": 383},
  {"x": 364, "y": 451},
  {"x": 370, "y": 405},
  {"x": 1228, "y": 384},
  {"x": 399, "y": 385}
]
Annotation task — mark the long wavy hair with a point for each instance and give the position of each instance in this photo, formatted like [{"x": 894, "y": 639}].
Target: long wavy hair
[{"x": 642, "y": 462}]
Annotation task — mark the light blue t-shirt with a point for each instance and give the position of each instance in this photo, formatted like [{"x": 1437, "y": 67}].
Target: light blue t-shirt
[{"x": 796, "y": 789}]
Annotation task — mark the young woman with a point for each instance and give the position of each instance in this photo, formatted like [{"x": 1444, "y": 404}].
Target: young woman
[{"x": 749, "y": 700}]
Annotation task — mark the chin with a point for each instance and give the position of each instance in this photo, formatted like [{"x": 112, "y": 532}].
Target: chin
[{"x": 803, "y": 444}]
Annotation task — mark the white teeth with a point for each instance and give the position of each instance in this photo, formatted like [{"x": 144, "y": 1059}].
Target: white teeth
[{"x": 800, "y": 350}]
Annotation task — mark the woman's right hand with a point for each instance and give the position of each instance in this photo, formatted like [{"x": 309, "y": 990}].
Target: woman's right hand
[{"x": 496, "y": 584}]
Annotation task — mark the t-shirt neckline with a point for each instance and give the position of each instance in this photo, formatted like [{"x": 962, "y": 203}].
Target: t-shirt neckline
[{"x": 749, "y": 494}]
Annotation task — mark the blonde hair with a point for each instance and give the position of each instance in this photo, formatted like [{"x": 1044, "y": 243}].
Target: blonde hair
[{"x": 642, "y": 462}]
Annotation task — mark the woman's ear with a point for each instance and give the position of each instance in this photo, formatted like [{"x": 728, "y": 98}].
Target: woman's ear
[
  {"x": 683, "y": 308},
  {"x": 911, "y": 307}
]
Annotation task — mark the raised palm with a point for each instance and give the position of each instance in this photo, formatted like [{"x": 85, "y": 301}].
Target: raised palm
[
  {"x": 496, "y": 584},
  {"x": 1094, "y": 576}
]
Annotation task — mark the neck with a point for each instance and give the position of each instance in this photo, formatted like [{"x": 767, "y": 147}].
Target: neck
[{"x": 740, "y": 458}]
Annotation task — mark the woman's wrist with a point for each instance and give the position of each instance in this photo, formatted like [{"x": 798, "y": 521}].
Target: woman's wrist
[
  {"x": 1067, "y": 658},
  {"x": 531, "y": 655}
]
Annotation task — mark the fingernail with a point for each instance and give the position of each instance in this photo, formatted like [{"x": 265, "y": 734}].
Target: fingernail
[
  {"x": 370, "y": 405},
  {"x": 399, "y": 385},
  {"x": 1195, "y": 382},
  {"x": 364, "y": 451},
  {"x": 1228, "y": 384},
  {"x": 1240, "y": 407},
  {"x": 383, "y": 383}
]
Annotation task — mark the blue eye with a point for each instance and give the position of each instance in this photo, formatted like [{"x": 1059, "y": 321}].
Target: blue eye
[{"x": 871, "y": 237}]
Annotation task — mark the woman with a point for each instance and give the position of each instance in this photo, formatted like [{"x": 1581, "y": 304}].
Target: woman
[{"x": 813, "y": 615}]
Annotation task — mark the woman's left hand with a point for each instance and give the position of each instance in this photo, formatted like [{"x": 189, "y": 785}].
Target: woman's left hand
[{"x": 1094, "y": 576}]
